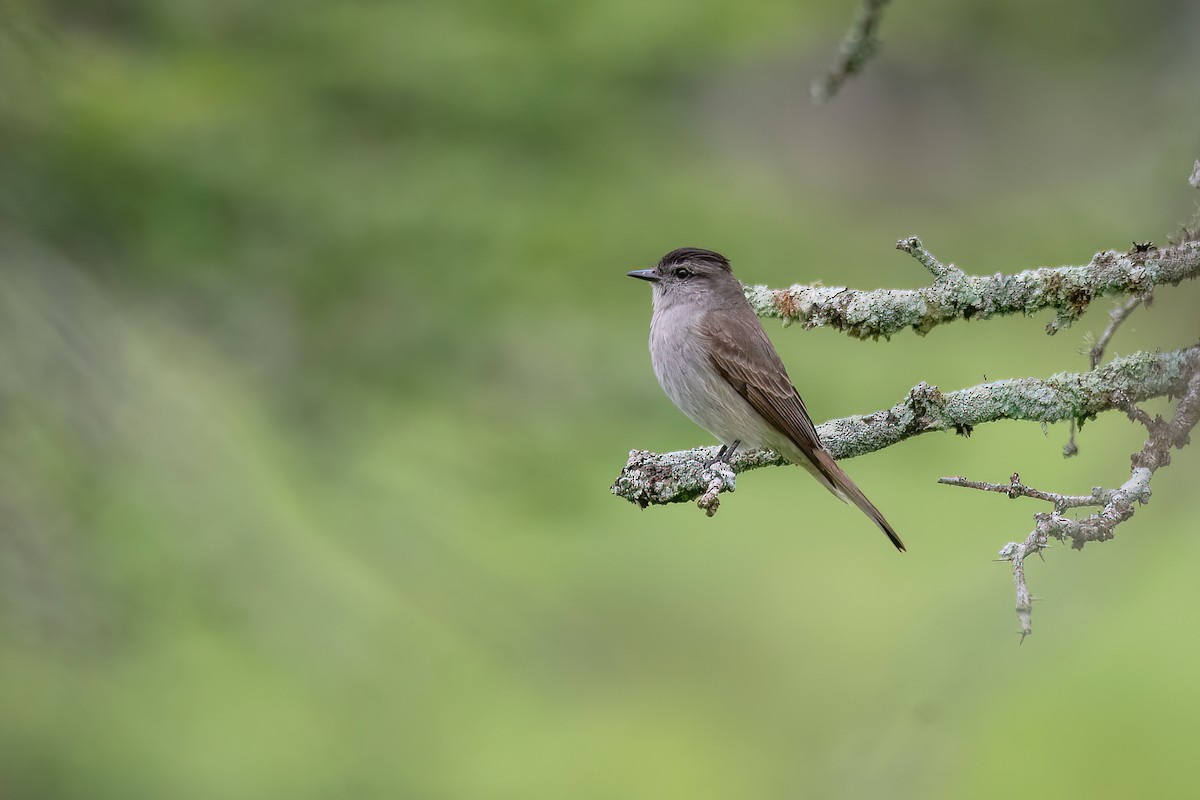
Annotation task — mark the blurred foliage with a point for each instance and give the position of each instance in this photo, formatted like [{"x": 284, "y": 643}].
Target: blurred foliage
[{"x": 317, "y": 359}]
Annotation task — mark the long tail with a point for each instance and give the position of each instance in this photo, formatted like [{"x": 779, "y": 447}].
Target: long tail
[{"x": 840, "y": 484}]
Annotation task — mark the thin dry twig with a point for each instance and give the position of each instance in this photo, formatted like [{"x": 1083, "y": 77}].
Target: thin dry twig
[
  {"x": 1014, "y": 489},
  {"x": 1115, "y": 318}
]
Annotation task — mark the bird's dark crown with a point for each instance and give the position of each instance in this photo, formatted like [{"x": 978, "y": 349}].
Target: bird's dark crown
[{"x": 695, "y": 255}]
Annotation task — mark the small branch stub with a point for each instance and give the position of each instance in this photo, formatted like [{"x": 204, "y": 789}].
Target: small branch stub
[
  {"x": 720, "y": 479},
  {"x": 912, "y": 245}
]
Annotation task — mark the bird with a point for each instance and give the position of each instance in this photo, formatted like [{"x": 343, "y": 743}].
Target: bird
[{"x": 714, "y": 361}]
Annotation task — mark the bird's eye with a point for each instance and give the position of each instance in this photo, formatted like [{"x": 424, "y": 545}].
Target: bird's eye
[{"x": 683, "y": 274}]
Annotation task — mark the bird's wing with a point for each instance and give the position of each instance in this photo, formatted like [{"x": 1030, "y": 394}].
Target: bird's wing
[{"x": 743, "y": 355}]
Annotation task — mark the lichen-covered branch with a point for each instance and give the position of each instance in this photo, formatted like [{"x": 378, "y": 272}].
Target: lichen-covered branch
[
  {"x": 659, "y": 478},
  {"x": 954, "y": 295},
  {"x": 858, "y": 46},
  {"x": 1116, "y": 505}
]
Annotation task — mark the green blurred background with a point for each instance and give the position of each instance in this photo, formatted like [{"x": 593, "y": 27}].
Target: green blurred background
[{"x": 317, "y": 359}]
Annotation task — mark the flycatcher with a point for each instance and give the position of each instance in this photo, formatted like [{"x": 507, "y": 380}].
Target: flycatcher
[{"x": 715, "y": 362}]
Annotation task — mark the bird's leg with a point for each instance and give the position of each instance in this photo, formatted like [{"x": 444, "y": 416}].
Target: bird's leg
[{"x": 726, "y": 452}]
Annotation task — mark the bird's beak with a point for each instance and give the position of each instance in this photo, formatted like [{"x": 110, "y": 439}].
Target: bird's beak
[{"x": 644, "y": 274}]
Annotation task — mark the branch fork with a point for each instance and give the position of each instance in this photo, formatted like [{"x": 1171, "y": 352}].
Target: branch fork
[{"x": 1116, "y": 505}]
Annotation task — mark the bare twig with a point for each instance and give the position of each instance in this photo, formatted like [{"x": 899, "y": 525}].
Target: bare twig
[
  {"x": 655, "y": 479},
  {"x": 1014, "y": 488},
  {"x": 857, "y": 48},
  {"x": 1115, "y": 318},
  {"x": 1068, "y": 291},
  {"x": 1016, "y": 552}
]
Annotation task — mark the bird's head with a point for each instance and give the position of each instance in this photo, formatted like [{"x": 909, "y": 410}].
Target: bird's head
[{"x": 690, "y": 272}]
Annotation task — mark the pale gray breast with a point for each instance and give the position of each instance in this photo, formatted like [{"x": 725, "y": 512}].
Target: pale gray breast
[{"x": 686, "y": 374}]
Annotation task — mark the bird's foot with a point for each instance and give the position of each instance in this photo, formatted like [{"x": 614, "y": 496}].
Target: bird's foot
[{"x": 725, "y": 454}]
